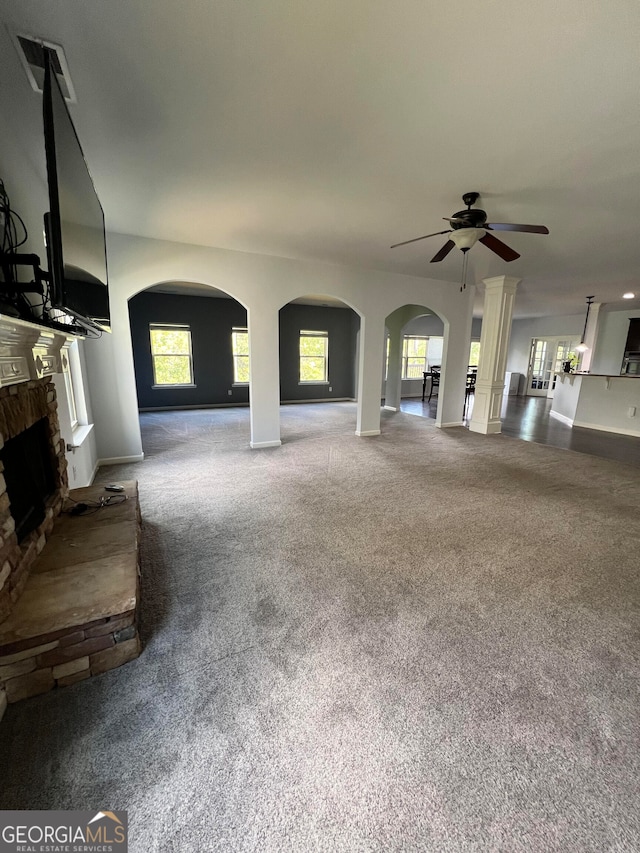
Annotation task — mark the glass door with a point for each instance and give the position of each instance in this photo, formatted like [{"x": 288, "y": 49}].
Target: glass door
[
  {"x": 546, "y": 361},
  {"x": 565, "y": 351},
  {"x": 540, "y": 368}
]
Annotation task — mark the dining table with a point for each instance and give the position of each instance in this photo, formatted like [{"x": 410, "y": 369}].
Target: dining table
[{"x": 472, "y": 373}]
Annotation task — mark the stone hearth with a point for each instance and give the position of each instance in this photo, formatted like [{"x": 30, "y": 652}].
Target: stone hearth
[{"x": 77, "y": 615}]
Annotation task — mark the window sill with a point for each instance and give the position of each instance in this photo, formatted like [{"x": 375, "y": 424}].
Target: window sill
[
  {"x": 79, "y": 436},
  {"x": 314, "y": 382},
  {"x": 170, "y": 387},
  {"x": 239, "y": 384}
]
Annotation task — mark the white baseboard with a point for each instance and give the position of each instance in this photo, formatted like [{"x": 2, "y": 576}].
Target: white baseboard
[
  {"x": 562, "y": 418},
  {"x": 120, "y": 460},
  {"x": 634, "y": 432},
  {"x": 259, "y": 445},
  {"x": 319, "y": 400},
  {"x": 391, "y": 408},
  {"x": 481, "y": 428},
  {"x": 236, "y": 405},
  {"x": 363, "y": 433},
  {"x": 452, "y": 424}
]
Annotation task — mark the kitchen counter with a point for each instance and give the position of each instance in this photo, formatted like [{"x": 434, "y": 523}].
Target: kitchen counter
[{"x": 609, "y": 402}]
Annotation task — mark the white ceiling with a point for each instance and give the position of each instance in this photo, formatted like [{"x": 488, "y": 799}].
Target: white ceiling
[{"x": 330, "y": 130}]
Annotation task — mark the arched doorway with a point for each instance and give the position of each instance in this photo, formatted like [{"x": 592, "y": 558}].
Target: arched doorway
[
  {"x": 190, "y": 348},
  {"x": 414, "y": 348},
  {"x": 318, "y": 356}
]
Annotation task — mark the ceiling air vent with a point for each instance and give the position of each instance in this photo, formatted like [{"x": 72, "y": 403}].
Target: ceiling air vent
[{"x": 32, "y": 52}]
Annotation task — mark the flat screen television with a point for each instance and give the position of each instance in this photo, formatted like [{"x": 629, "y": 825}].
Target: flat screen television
[{"x": 74, "y": 226}]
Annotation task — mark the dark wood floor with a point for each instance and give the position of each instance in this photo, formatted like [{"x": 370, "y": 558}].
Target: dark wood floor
[{"x": 528, "y": 418}]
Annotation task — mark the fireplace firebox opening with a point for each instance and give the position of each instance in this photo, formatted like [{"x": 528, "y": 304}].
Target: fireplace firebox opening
[{"x": 29, "y": 476}]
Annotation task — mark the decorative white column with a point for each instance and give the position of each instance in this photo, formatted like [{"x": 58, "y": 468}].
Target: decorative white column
[
  {"x": 455, "y": 363},
  {"x": 264, "y": 384},
  {"x": 494, "y": 341},
  {"x": 393, "y": 385},
  {"x": 369, "y": 391}
]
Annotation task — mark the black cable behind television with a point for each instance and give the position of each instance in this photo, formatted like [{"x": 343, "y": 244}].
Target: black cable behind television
[{"x": 74, "y": 226}]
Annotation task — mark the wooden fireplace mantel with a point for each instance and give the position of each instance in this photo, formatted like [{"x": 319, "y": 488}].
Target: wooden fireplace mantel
[{"x": 28, "y": 351}]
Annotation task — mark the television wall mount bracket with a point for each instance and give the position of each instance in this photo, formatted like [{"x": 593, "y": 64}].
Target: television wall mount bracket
[{"x": 8, "y": 260}]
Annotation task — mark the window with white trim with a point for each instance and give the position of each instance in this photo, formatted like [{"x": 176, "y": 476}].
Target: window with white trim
[
  {"x": 171, "y": 354},
  {"x": 474, "y": 354},
  {"x": 71, "y": 397},
  {"x": 240, "y": 350},
  {"x": 414, "y": 356},
  {"x": 314, "y": 357},
  {"x": 435, "y": 347},
  {"x": 74, "y": 416}
]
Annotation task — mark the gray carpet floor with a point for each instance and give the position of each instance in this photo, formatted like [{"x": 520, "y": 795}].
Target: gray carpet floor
[{"x": 423, "y": 641}]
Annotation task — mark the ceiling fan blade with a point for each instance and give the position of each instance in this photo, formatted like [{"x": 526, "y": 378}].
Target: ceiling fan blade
[
  {"x": 444, "y": 251},
  {"x": 500, "y": 248},
  {"x": 415, "y": 239},
  {"x": 508, "y": 226}
]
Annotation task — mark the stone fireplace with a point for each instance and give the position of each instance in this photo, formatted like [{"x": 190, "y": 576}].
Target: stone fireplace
[
  {"x": 24, "y": 402},
  {"x": 69, "y": 586}
]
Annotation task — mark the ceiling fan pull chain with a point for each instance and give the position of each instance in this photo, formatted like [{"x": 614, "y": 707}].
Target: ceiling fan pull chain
[{"x": 465, "y": 261}]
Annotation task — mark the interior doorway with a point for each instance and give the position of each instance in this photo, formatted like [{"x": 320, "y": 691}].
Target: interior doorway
[{"x": 546, "y": 359}]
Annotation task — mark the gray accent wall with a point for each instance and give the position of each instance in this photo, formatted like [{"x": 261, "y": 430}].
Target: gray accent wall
[
  {"x": 342, "y": 325},
  {"x": 211, "y": 321}
]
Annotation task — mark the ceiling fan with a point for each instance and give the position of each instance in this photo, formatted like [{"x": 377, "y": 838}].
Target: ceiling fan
[{"x": 470, "y": 225}]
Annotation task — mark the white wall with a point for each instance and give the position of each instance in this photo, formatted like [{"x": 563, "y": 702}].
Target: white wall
[
  {"x": 27, "y": 190},
  {"x": 28, "y": 194},
  {"x": 606, "y": 404},
  {"x": 263, "y": 284},
  {"x": 428, "y": 324},
  {"x": 432, "y": 325},
  {"x": 598, "y": 402},
  {"x": 612, "y": 336},
  {"x": 522, "y": 331}
]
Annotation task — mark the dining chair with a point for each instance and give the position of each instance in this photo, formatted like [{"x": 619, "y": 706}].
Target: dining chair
[
  {"x": 470, "y": 388},
  {"x": 435, "y": 379}
]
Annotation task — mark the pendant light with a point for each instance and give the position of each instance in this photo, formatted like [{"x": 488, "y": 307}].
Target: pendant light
[{"x": 582, "y": 347}]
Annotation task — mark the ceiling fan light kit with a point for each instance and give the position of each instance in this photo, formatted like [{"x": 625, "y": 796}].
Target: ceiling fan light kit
[
  {"x": 470, "y": 226},
  {"x": 465, "y": 238}
]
